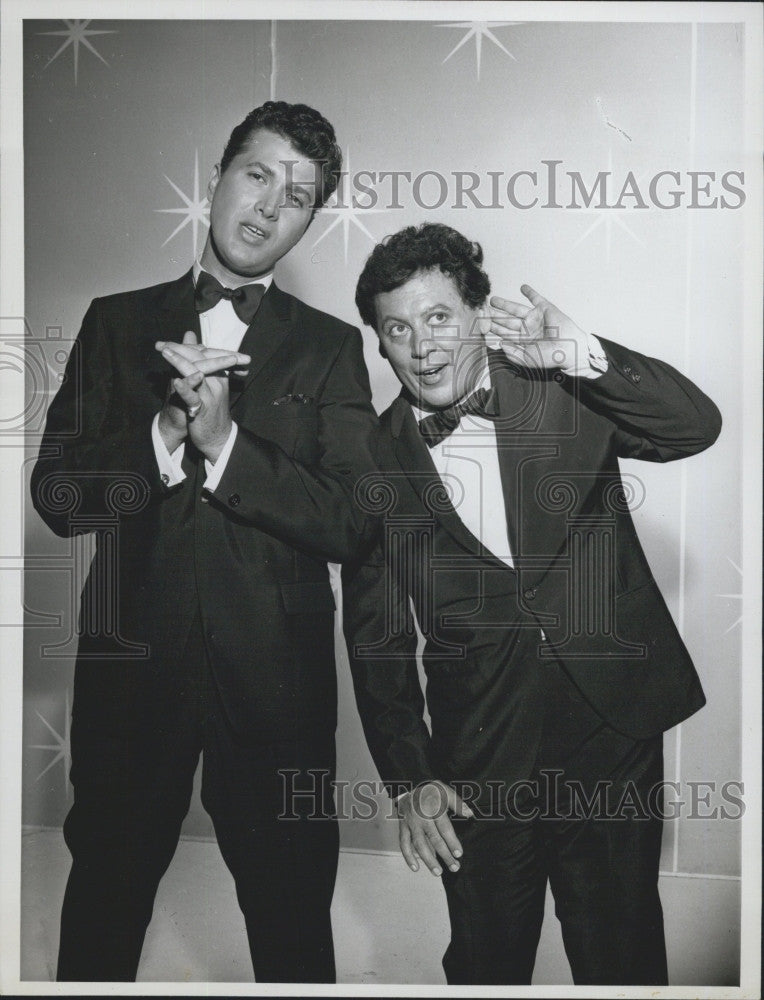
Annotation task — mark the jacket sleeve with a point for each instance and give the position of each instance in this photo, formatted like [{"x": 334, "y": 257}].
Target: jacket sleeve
[
  {"x": 311, "y": 507},
  {"x": 659, "y": 414},
  {"x": 93, "y": 462},
  {"x": 381, "y": 639}
]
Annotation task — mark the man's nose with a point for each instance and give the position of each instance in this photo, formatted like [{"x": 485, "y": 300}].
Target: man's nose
[
  {"x": 268, "y": 204},
  {"x": 422, "y": 343}
]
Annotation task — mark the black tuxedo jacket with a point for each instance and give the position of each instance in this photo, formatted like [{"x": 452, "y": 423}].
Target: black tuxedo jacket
[
  {"x": 580, "y": 575},
  {"x": 251, "y": 557}
]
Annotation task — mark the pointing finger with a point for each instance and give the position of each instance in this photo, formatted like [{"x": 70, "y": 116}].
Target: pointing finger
[
  {"x": 212, "y": 366},
  {"x": 205, "y": 365},
  {"x": 216, "y": 352},
  {"x": 194, "y": 353}
]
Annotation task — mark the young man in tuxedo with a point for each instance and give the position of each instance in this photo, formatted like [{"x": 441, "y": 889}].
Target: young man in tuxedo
[
  {"x": 553, "y": 666},
  {"x": 221, "y": 423}
]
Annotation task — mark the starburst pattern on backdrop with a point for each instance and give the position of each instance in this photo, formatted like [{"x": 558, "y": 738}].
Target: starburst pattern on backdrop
[
  {"x": 479, "y": 30},
  {"x": 736, "y": 597},
  {"x": 61, "y": 747},
  {"x": 77, "y": 33},
  {"x": 346, "y": 215},
  {"x": 195, "y": 209},
  {"x": 609, "y": 217}
]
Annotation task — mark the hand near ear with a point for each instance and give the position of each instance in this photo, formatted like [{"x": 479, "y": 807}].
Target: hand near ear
[{"x": 537, "y": 336}]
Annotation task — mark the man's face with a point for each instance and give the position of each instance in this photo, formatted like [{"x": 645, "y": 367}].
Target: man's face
[
  {"x": 432, "y": 338},
  {"x": 260, "y": 207}
]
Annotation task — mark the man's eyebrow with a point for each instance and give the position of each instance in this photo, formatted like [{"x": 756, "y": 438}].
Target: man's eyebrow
[
  {"x": 436, "y": 307},
  {"x": 390, "y": 318},
  {"x": 261, "y": 166}
]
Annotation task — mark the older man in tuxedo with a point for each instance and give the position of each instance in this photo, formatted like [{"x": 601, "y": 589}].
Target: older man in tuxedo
[
  {"x": 222, "y": 424},
  {"x": 553, "y": 666}
]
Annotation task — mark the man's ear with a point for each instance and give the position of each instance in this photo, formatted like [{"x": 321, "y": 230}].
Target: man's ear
[{"x": 212, "y": 183}]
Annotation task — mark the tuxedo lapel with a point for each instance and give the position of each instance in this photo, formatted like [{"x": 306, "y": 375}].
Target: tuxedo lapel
[
  {"x": 176, "y": 313},
  {"x": 414, "y": 458},
  {"x": 534, "y": 427},
  {"x": 515, "y": 401},
  {"x": 268, "y": 330},
  {"x": 165, "y": 314}
]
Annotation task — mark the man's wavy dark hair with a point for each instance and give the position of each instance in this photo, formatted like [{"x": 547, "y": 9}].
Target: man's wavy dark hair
[
  {"x": 422, "y": 248},
  {"x": 307, "y": 130}
]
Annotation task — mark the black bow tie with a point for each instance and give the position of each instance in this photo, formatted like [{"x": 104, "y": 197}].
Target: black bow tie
[
  {"x": 245, "y": 300},
  {"x": 436, "y": 427}
]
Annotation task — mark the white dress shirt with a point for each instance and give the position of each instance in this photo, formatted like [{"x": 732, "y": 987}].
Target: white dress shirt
[{"x": 221, "y": 328}]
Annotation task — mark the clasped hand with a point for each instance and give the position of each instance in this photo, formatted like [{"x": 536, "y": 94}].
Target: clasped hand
[
  {"x": 197, "y": 405},
  {"x": 538, "y": 336}
]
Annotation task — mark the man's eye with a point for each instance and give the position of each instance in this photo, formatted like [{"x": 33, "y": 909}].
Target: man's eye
[
  {"x": 256, "y": 175},
  {"x": 296, "y": 200},
  {"x": 437, "y": 318},
  {"x": 396, "y": 331}
]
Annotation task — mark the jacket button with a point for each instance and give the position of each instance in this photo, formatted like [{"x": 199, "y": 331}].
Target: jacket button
[
  {"x": 530, "y": 593},
  {"x": 234, "y": 500},
  {"x": 637, "y": 377},
  {"x": 165, "y": 479},
  {"x": 627, "y": 369}
]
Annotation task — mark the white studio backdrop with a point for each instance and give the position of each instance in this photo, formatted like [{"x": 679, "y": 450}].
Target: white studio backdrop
[{"x": 122, "y": 128}]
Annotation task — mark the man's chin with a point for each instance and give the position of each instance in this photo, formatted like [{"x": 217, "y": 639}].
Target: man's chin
[
  {"x": 242, "y": 267},
  {"x": 434, "y": 401}
]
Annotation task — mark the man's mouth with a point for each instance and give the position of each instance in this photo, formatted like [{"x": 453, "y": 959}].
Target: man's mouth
[
  {"x": 431, "y": 374},
  {"x": 254, "y": 232}
]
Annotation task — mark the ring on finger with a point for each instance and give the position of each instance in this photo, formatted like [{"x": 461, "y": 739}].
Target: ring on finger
[{"x": 194, "y": 410}]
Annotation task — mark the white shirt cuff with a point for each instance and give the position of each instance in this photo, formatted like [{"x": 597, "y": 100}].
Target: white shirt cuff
[
  {"x": 170, "y": 470},
  {"x": 593, "y": 364},
  {"x": 215, "y": 471}
]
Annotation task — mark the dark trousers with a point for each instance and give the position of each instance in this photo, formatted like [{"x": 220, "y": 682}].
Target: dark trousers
[
  {"x": 133, "y": 763},
  {"x": 598, "y": 846}
]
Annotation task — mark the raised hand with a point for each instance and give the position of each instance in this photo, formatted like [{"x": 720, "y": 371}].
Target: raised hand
[
  {"x": 203, "y": 391},
  {"x": 537, "y": 336},
  {"x": 425, "y": 831}
]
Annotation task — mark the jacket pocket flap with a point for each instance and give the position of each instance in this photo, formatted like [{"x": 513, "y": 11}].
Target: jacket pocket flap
[{"x": 307, "y": 597}]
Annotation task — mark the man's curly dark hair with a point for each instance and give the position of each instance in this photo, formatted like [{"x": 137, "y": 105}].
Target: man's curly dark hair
[
  {"x": 307, "y": 130},
  {"x": 422, "y": 248}
]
